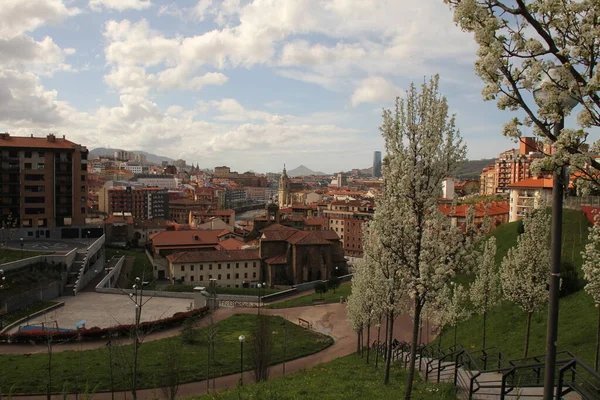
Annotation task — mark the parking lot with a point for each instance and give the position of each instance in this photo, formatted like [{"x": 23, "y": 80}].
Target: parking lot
[{"x": 47, "y": 244}]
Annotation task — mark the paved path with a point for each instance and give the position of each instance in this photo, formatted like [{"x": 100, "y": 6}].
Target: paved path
[{"x": 330, "y": 319}]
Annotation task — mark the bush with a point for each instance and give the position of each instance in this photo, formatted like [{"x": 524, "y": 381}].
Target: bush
[
  {"x": 321, "y": 288},
  {"x": 100, "y": 333},
  {"x": 570, "y": 282}
]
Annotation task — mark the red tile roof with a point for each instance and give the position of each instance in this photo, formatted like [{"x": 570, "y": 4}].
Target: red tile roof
[
  {"x": 186, "y": 238},
  {"x": 533, "y": 183},
  {"x": 214, "y": 256},
  {"x": 315, "y": 221},
  {"x": 231, "y": 244},
  {"x": 36, "y": 142},
  {"x": 494, "y": 208}
]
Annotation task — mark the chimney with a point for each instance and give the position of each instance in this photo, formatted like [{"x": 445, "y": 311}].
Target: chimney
[
  {"x": 64, "y": 137},
  {"x": 51, "y": 138},
  {"x": 5, "y": 136}
]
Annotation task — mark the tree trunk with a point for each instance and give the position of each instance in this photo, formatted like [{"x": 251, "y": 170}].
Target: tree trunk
[
  {"x": 597, "y": 341},
  {"x": 368, "y": 340},
  {"x": 379, "y": 344},
  {"x": 529, "y": 315},
  {"x": 484, "y": 320},
  {"x": 358, "y": 342},
  {"x": 49, "y": 344},
  {"x": 455, "y": 325},
  {"x": 388, "y": 350},
  {"x": 413, "y": 351},
  {"x": 360, "y": 339}
]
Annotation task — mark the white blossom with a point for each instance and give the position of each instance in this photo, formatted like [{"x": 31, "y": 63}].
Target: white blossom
[
  {"x": 591, "y": 261},
  {"x": 486, "y": 291}
]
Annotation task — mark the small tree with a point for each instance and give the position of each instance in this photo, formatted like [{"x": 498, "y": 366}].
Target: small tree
[
  {"x": 486, "y": 290},
  {"x": 591, "y": 273},
  {"x": 321, "y": 288},
  {"x": 333, "y": 283},
  {"x": 453, "y": 299},
  {"x": 262, "y": 342},
  {"x": 171, "y": 372},
  {"x": 524, "y": 270}
]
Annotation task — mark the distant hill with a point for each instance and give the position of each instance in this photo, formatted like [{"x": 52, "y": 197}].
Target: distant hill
[
  {"x": 472, "y": 168},
  {"x": 153, "y": 158},
  {"x": 303, "y": 171}
]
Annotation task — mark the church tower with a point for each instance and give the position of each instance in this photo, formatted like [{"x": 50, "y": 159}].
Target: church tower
[{"x": 284, "y": 189}]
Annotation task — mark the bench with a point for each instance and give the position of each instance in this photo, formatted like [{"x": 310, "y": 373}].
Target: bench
[{"x": 304, "y": 323}]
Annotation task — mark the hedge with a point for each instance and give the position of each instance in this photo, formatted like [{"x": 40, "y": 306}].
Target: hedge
[{"x": 93, "y": 333}]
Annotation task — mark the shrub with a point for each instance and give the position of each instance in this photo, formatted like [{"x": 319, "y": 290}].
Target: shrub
[{"x": 570, "y": 282}]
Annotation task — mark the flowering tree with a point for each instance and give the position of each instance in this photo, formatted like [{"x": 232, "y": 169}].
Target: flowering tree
[
  {"x": 525, "y": 44},
  {"x": 486, "y": 291},
  {"x": 524, "y": 270},
  {"x": 591, "y": 273},
  {"x": 423, "y": 147}
]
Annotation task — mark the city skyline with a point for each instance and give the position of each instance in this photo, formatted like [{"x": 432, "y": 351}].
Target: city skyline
[{"x": 205, "y": 82}]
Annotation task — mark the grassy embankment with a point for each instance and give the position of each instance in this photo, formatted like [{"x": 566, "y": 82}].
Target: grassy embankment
[
  {"x": 344, "y": 378},
  {"x": 506, "y": 323},
  {"x": 328, "y": 297},
  {"x": 73, "y": 370}
]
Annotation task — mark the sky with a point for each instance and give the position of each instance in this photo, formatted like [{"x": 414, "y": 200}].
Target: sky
[{"x": 249, "y": 84}]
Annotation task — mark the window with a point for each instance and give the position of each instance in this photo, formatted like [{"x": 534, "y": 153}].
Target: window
[
  {"x": 210, "y": 267},
  {"x": 183, "y": 268},
  {"x": 245, "y": 265},
  {"x": 27, "y": 165},
  {"x": 83, "y": 188},
  {"x": 254, "y": 274},
  {"x": 82, "y": 178},
  {"x": 245, "y": 274},
  {"x": 41, "y": 166},
  {"x": 192, "y": 267},
  {"x": 27, "y": 154},
  {"x": 192, "y": 278},
  {"x": 201, "y": 267},
  {"x": 237, "y": 265},
  {"x": 218, "y": 266},
  {"x": 209, "y": 277},
  {"x": 228, "y": 266},
  {"x": 40, "y": 154},
  {"x": 201, "y": 277},
  {"x": 228, "y": 276},
  {"x": 237, "y": 276},
  {"x": 219, "y": 277}
]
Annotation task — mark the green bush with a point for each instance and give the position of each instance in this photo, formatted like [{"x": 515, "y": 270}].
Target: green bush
[{"x": 570, "y": 282}]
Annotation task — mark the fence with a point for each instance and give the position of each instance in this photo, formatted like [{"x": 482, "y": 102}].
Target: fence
[
  {"x": 88, "y": 272},
  {"x": 577, "y": 202},
  {"x": 113, "y": 275}
]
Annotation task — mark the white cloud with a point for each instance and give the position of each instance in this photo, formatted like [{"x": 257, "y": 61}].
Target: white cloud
[
  {"x": 374, "y": 89},
  {"x": 119, "y": 5},
  {"x": 19, "y": 16},
  {"x": 303, "y": 53}
]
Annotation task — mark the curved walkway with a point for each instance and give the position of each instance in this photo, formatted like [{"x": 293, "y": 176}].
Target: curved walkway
[{"x": 329, "y": 319}]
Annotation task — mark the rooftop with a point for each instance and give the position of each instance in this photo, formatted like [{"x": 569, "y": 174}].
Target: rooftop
[
  {"x": 214, "y": 256},
  {"x": 48, "y": 142}
]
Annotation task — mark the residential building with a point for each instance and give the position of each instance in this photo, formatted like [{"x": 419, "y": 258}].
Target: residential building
[
  {"x": 136, "y": 168},
  {"x": 230, "y": 268},
  {"x": 122, "y": 155},
  {"x": 347, "y": 219},
  {"x": 376, "y": 164},
  {"x": 497, "y": 211},
  {"x": 161, "y": 181},
  {"x": 179, "y": 210},
  {"x": 528, "y": 195},
  {"x": 201, "y": 217},
  {"x": 291, "y": 256},
  {"x": 142, "y": 203},
  {"x": 245, "y": 179},
  {"x": 43, "y": 183}
]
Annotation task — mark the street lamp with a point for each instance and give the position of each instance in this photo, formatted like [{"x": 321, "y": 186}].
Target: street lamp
[
  {"x": 242, "y": 338},
  {"x": 2, "y": 282},
  {"x": 21, "y": 248},
  {"x": 88, "y": 238},
  {"x": 260, "y": 285},
  {"x": 542, "y": 96}
]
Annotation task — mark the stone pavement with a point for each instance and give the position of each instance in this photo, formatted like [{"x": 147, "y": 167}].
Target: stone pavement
[
  {"x": 329, "y": 319},
  {"x": 104, "y": 310}
]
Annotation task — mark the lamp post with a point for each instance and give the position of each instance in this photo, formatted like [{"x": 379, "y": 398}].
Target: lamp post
[
  {"x": 21, "y": 248},
  {"x": 542, "y": 95},
  {"x": 2, "y": 282},
  {"x": 88, "y": 238},
  {"x": 260, "y": 285},
  {"x": 242, "y": 338}
]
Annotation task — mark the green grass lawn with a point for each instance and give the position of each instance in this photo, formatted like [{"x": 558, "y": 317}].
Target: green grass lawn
[
  {"x": 28, "y": 373},
  {"x": 221, "y": 290},
  {"x": 344, "y": 378},
  {"x": 329, "y": 297},
  {"x": 506, "y": 324},
  {"x": 9, "y": 255},
  {"x": 25, "y": 311},
  {"x": 141, "y": 266}
]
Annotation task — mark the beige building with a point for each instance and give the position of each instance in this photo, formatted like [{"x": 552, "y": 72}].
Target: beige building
[
  {"x": 231, "y": 268},
  {"x": 527, "y": 195}
]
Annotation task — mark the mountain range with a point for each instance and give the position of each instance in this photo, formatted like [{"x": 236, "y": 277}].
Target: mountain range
[
  {"x": 303, "y": 171},
  {"x": 153, "y": 158}
]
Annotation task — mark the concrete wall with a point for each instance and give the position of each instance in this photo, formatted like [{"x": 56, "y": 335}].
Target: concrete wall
[
  {"x": 311, "y": 285},
  {"x": 66, "y": 259},
  {"x": 112, "y": 277},
  {"x": 52, "y": 291}
]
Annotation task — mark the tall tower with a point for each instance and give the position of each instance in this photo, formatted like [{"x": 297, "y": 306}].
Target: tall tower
[
  {"x": 377, "y": 164},
  {"x": 284, "y": 189}
]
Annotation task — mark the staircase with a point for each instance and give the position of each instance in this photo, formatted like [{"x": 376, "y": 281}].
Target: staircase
[
  {"x": 490, "y": 374},
  {"x": 76, "y": 271}
]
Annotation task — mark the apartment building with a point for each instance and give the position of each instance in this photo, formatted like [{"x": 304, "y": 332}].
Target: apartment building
[
  {"x": 510, "y": 167},
  {"x": 347, "y": 219},
  {"x": 43, "y": 183},
  {"x": 179, "y": 210},
  {"x": 161, "y": 181},
  {"x": 528, "y": 195},
  {"x": 142, "y": 203}
]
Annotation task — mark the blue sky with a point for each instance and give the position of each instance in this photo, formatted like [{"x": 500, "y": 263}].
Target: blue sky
[{"x": 249, "y": 84}]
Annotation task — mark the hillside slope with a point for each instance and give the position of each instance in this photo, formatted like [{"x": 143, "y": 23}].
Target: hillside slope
[{"x": 506, "y": 323}]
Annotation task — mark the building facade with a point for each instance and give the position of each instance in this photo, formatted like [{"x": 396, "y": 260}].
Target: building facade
[
  {"x": 376, "y": 164},
  {"x": 347, "y": 219},
  {"x": 283, "y": 194},
  {"x": 528, "y": 195},
  {"x": 142, "y": 203},
  {"x": 43, "y": 183}
]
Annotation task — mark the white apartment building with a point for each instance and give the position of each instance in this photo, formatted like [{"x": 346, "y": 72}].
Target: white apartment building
[{"x": 527, "y": 195}]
